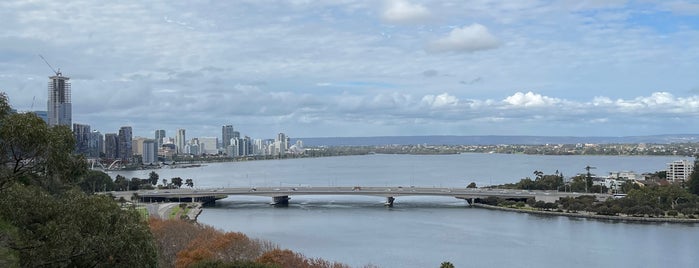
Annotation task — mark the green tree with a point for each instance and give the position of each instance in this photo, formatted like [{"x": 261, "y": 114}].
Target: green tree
[
  {"x": 74, "y": 230},
  {"x": 153, "y": 178},
  {"x": 121, "y": 183},
  {"x": 189, "y": 183},
  {"x": 471, "y": 185},
  {"x": 96, "y": 181},
  {"x": 693, "y": 183},
  {"x": 176, "y": 181},
  {"x": 446, "y": 264}
]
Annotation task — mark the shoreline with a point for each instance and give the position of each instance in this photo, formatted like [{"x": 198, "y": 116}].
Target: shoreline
[
  {"x": 165, "y": 210},
  {"x": 592, "y": 216}
]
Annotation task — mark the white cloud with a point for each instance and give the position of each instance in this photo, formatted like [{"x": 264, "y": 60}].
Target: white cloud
[
  {"x": 402, "y": 11},
  {"x": 466, "y": 39},
  {"x": 530, "y": 99},
  {"x": 440, "y": 101}
]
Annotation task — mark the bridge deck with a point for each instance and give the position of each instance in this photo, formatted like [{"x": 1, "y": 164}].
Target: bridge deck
[{"x": 360, "y": 191}]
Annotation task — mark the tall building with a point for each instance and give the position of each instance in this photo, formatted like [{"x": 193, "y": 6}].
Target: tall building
[
  {"x": 679, "y": 170},
  {"x": 150, "y": 152},
  {"x": 207, "y": 145},
  {"x": 59, "y": 105},
  {"x": 180, "y": 141},
  {"x": 137, "y": 145},
  {"x": 111, "y": 146},
  {"x": 125, "y": 144},
  {"x": 96, "y": 145},
  {"x": 226, "y": 135},
  {"x": 283, "y": 141},
  {"x": 159, "y": 136},
  {"x": 82, "y": 134}
]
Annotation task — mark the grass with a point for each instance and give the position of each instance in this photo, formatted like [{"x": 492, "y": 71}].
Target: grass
[
  {"x": 143, "y": 211},
  {"x": 173, "y": 213}
]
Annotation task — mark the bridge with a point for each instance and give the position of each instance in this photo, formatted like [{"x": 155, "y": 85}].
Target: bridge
[{"x": 281, "y": 195}]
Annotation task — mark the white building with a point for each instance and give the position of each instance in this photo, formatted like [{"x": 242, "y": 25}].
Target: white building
[
  {"x": 207, "y": 145},
  {"x": 59, "y": 105},
  {"x": 679, "y": 170}
]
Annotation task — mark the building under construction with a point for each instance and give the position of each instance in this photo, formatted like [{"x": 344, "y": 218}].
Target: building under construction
[{"x": 59, "y": 105}]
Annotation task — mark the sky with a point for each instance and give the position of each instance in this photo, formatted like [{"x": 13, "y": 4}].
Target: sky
[{"x": 346, "y": 68}]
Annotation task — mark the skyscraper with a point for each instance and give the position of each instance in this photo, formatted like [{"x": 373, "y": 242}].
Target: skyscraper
[
  {"x": 180, "y": 141},
  {"x": 125, "y": 144},
  {"x": 159, "y": 136},
  {"x": 82, "y": 135},
  {"x": 150, "y": 152},
  {"x": 111, "y": 146},
  {"x": 59, "y": 105},
  {"x": 226, "y": 135},
  {"x": 96, "y": 145}
]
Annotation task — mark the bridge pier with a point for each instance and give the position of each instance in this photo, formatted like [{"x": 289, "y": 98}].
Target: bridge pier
[
  {"x": 389, "y": 201},
  {"x": 280, "y": 200}
]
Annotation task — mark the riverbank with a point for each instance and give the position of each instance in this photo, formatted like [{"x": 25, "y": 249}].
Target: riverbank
[
  {"x": 591, "y": 216},
  {"x": 174, "y": 210}
]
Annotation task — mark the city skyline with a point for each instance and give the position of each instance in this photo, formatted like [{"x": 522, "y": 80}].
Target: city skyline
[{"x": 362, "y": 68}]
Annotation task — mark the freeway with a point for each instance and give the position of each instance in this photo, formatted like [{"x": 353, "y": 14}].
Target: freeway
[{"x": 281, "y": 194}]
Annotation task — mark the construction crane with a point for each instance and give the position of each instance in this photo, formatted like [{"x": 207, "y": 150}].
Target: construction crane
[{"x": 52, "y": 69}]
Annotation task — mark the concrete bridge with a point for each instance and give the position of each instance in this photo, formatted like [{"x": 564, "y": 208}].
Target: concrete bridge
[{"x": 281, "y": 195}]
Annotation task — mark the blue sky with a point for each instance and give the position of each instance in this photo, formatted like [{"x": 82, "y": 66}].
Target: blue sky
[{"x": 362, "y": 68}]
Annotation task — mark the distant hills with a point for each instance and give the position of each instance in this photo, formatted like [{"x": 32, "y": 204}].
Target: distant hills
[{"x": 492, "y": 140}]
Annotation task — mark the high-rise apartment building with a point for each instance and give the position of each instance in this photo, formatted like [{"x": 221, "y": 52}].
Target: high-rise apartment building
[
  {"x": 226, "y": 135},
  {"x": 96, "y": 145},
  {"x": 180, "y": 141},
  {"x": 159, "y": 136},
  {"x": 207, "y": 145},
  {"x": 137, "y": 145},
  {"x": 111, "y": 146},
  {"x": 150, "y": 152},
  {"x": 125, "y": 144},
  {"x": 82, "y": 134},
  {"x": 59, "y": 105}
]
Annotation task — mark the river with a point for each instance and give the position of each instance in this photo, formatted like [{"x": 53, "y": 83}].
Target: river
[{"x": 425, "y": 231}]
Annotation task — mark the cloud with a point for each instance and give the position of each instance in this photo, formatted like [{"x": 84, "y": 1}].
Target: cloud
[
  {"x": 440, "y": 101},
  {"x": 402, "y": 11},
  {"x": 530, "y": 99},
  {"x": 430, "y": 73},
  {"x": 470, "y": 38}
]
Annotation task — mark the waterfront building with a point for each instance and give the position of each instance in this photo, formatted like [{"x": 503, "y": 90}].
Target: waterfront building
[
  {"x": 137, "y": 145},
  {"x": 180, "y": 141},
  {"x": 111, "y": 146},
  {"x": 226, "y": 135},
  {"x": 125, "y": 144},
  {"x": 81, "y": 133},
  {"x": 59, "y": 104},
  {"x": 159, "y": 136},
  {"x": 679, "y": 170},
  {"x": 96, "y": 144},
  {"x": 283, "y": 141},
  {"x": 625, "y": 175},
  {"x": 207, "y": 145},
  {"x": 150, "y": 152}
]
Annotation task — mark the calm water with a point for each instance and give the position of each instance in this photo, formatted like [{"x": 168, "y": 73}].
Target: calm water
[{"x": 424, "y": 231}]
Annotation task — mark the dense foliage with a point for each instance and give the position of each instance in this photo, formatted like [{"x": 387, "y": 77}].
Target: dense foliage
[{"x": 45, "y": 220}]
